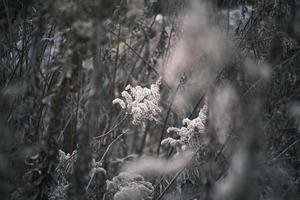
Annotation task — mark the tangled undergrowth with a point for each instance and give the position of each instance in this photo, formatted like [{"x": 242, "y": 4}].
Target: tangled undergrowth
[{"x": 152, "y": 99}]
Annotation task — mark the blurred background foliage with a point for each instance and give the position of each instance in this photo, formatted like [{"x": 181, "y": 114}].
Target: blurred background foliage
[{"x": 63, "y": 62}]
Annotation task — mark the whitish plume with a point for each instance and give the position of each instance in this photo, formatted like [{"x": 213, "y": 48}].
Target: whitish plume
[
  {"x": 140, "y": 102},
  {"x": 129, "y": 186},
  {"x": 191, "y": 130}
]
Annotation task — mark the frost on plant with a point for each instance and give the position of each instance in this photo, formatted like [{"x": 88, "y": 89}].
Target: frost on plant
[
  {"x": 189, "y": 133},
  {"x": 63, "y": 173},
  {"x": 66, "y": 165},
  {"x": 129, "y": 186},
  {"x": 140, "y": 102}
]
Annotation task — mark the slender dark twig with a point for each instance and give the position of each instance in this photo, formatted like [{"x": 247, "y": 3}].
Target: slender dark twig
[{"x": 166, "y": 120}]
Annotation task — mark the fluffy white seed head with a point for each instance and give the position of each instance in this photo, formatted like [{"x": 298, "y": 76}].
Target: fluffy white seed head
[
  {"x": 191, "y": 128},
  {"x": 140, "y": 102}
]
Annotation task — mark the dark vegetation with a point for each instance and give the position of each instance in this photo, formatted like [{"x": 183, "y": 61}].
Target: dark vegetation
[{"x": 64, "y": 62}]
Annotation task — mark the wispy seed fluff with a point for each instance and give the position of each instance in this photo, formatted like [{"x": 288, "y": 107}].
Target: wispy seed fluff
[
  {"x": 190, "y": 131},
  {"x": 140, "y": 102}
]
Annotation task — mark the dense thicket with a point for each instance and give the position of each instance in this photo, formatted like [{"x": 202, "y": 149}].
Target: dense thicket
[{"x": 153, "y": 99}]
